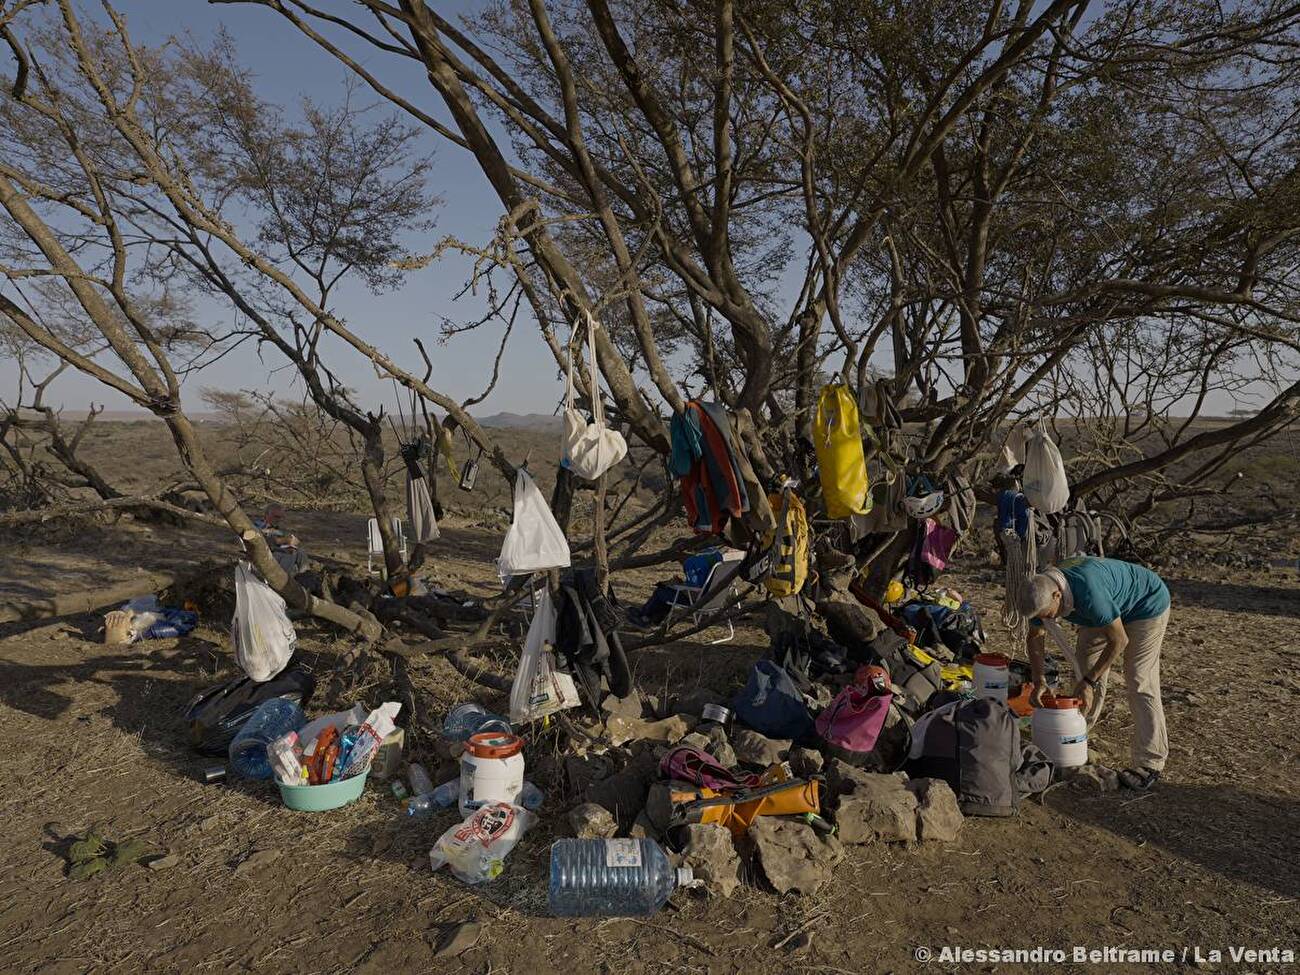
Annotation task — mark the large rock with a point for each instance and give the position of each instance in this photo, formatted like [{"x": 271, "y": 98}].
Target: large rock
[
  {"x": 751, "y": 748},
  {"x": 711, "y": 855},
  {"x": 791, "y": 854},
  {"x": 938, "y": 816},
  {"x": 870, "y": 806},
  {"x": 621, "y": 729},
  {"x": 591, "y": 821},
  {"x": 720, "y": 747},
  {"x": 631, "y": 706},
  {"x": 805, "y": 762},
  {"x": 624, "y": 792},
  {"x": 696, "y": 740}
]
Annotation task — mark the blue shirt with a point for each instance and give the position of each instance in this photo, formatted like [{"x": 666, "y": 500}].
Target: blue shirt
[{"x": 1106, "y": 590}]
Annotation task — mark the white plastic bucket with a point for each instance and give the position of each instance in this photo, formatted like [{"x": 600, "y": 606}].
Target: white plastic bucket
[
  {"x": 491, "y": 770},
  {"x": 1061, "y": 731},
  {"x": 991, "y": 676}
]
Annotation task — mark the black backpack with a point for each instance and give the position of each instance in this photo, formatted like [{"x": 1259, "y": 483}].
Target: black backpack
[
  {"x": 215, "y": 715},
  {"x": 918, "y": 679}
]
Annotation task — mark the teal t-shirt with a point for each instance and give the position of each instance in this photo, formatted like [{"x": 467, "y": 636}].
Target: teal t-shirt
[{"x": 1105, "y": 590}]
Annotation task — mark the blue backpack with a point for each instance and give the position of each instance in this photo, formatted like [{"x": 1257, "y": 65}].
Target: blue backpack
[{"x": 771, "y": 704}]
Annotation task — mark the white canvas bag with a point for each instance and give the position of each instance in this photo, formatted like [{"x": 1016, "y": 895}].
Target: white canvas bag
[
  {"x": 539, "y": 688},
  {"x": 534, "y": 541},
  {"x": 590, "y": 449},
  {"x": 260, "y": 630},
  {"x": 419, "y": 509},
  {"x": 1044, "y": 482}
]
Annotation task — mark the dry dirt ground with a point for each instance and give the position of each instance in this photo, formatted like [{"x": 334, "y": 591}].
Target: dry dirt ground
[{"x": 91, "y": 735}]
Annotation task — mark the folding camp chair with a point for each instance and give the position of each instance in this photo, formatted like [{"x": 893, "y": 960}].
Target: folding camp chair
[
  {"x": 375, "y": 542},
  {"x": 718, "y": 587}
]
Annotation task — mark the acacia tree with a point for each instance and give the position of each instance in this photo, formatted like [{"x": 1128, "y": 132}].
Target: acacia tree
[{"x": 972, "y": 199}]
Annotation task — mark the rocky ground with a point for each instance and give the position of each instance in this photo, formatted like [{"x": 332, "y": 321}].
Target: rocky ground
[{"x": 90, "y": 735}]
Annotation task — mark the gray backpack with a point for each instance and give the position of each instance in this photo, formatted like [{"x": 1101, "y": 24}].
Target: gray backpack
[{"x": 975, "y": 747}]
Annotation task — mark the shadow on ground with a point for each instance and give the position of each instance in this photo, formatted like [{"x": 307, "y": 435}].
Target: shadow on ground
[
  {"x": 1241, "y": 835},
  {"x": 1234, "y": 597}
]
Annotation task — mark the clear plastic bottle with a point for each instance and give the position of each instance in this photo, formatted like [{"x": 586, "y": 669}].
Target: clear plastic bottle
[
  {"x": 611, "y": 878},
  {"x": 426, "y": 804},
  {"x": 274, "y": 718},
  {"x": 531, "y": 797},
  {"x": 421, "y": 784}
]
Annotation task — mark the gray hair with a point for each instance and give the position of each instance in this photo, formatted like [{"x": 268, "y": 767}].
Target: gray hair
[{"x": 1035, "y": 596}]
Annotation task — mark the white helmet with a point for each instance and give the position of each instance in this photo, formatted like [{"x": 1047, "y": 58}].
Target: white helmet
[{"x": 923, "y": 505}]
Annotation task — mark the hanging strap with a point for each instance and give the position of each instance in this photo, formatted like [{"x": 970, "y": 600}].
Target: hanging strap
[{"x": 597, "y": 407}]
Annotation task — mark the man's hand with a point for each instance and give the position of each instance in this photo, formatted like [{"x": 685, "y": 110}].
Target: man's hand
[
  {"x": 1083, "y": 691},
  {"x": 1037, "y": 693}
]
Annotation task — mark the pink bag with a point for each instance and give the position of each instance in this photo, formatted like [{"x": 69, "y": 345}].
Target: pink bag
[
  {"x": 687, "y": 764},
  {"x": 937, "y": 544},
  {"x": 851, "y": 725}
]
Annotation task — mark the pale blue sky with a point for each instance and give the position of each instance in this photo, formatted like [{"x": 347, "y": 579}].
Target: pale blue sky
[{"x": 289, "y": 66}]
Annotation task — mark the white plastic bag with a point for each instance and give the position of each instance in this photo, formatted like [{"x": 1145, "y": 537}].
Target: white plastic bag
[
  {"x": 260, "y": 630},
  {"x": 476, "y": 849},
  {"x": 1044, "y": 482},
  {"x": 539, "y": 689},
  {"x": 589, "y": 449},
  {"x": 419, "y": 509},
  {"x": 534, "y": 541}
]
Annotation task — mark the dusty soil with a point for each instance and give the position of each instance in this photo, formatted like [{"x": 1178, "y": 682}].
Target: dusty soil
[{"x": 91, "y": 735}]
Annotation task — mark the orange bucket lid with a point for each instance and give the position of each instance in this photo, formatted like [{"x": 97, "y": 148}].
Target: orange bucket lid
[
  {"x": 494, "y": 744},
  {"x": 1062, "y": 703},
  {"x": 993, "y": 660}
]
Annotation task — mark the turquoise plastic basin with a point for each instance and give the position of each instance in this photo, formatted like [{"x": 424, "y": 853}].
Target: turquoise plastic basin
[{"x": 318, "y": 798}]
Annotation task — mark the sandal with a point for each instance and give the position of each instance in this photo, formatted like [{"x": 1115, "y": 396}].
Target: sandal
[{"x": 1139, "y": 779}]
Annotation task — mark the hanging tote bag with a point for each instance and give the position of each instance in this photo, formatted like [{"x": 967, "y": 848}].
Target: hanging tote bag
[
  {"x": 1044, "y": 480},
  {"x": 419, "y": 509},
  {"x": 540, "y": 688},
  {"x": 590, "y": 449},
  {"x": 260, "y": 630},
  {"x": 534, "y": 541},
  {"x": 840, "y": 458}
]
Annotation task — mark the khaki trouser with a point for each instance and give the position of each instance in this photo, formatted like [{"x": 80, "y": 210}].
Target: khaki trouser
[{"x": 1150, "y": 745}]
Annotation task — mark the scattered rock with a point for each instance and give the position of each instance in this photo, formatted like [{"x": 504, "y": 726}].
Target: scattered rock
[
  {"x": 256, "y": 860},
  {"x": 129, "y": 852},
  {"x": 871, "y": 806},
  {"x": 791, "y": 854},
  {"x": 711, "y": 854},
  {"x": 163, "y": 862},
  {"x": 591, "y": 821},
  {"x": 622, "y": 729},
  {"x": 1096, "y": 776},
  {"x": 751, "y": 748},
  {"x": 938, "y": 816},
  {"x": 805, "y": 761},
  {"x": 459, "y": 940},
  {"x": 584, "y": 771},
  {"x": 624, "y": 707},
  {"x": 719, "y": 747},
  {"x": 696, "y": 740}
]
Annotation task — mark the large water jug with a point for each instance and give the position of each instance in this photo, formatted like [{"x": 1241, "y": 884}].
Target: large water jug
[
  {"x": 611, "y": 878},
  {"x": 1061, "y": 731},
  {"x": 273, "y": 718}
]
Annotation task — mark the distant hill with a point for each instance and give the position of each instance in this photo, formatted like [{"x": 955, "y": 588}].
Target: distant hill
[{"x": 522, "y": 421}]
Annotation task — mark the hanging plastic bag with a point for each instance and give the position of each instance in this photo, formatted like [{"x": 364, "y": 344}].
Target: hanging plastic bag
[
  {"x": 419, "y": 509},
  {"x": 840, "y": 458},
  {"x": 476, "y": 849},
  {"x": 534, "y": 541},
  {"x": 260, "y": 630},
  {"x": 539, "y": 688},
  {"x": 1044, "y": 480},
  {"x": 590, "y": 449}
]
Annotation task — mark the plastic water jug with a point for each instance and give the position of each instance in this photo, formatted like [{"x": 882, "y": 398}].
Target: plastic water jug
[
  {"x": 991, "y": 676},
  {"x": 611, "y": 878},
  {"x": 491, "y": 770},
  {"x": 1061, "y": 731},
  {"x": 273, "y": 719}
]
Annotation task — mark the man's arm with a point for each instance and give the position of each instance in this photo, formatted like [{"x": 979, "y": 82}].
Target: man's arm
[{"x": 1035, "y": 644}]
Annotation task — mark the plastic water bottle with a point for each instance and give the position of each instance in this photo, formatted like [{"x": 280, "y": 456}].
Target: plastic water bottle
[
  {"x": 470, "y": 719},
  {"x": 421, "y": 784},
  {"x": 531, "y": 797},
  {"x": 426, "y": 804},
  {"x": 611, "y": 878},
  {"x": 273, "y": 719}
]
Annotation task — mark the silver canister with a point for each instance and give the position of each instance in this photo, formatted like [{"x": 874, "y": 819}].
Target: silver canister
[
  {"x": 717, "y": 714},
  {"x": 214, "y": 773}
]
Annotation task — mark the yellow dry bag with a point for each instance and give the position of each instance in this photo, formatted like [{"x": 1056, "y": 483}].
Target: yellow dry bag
[{"x": 838, "y": 440}]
